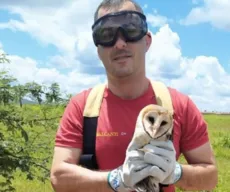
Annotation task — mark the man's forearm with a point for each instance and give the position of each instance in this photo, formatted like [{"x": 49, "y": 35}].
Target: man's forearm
[
  {"x": 198, "y": 177},
  {"x": 72, "y": 178}
]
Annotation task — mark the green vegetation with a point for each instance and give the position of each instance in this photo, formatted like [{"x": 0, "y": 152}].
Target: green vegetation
[
  {"x": 219, "y": 133},
  {"x": 27, "y": 130},
  {"x": 220, "y": 138},
  {"x": 27, "y": 133},
  {"x": 28, "y": 160}
]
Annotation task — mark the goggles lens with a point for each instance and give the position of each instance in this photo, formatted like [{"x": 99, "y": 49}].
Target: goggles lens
[{"x": 131, "y": 24}]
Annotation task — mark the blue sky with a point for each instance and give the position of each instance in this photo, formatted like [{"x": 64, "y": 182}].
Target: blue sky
[
  {"x": 53, "y": 41},
  {"x": 21, "y": 43},
  {"x": 201, "y": 39}
]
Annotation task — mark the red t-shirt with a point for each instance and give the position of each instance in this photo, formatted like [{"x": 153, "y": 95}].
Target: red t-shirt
[{"x": 116, "y": 125}]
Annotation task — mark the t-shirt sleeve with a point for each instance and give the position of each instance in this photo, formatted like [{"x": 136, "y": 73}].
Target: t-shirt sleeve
[
  {"x": 194, "y": 128},
  {"x": 69, "y": 133}
]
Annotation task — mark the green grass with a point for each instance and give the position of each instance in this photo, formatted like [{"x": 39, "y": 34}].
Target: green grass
[
  {"x": 219, "y": 131},
  {"x": 219, "y": 126}
]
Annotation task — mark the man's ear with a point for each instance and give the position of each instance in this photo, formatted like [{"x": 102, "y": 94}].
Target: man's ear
[
  {"x": 148, "y": 40},
  {"x": 98, "y": 52}
]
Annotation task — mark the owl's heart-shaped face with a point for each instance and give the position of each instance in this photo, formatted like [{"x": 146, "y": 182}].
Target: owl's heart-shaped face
[{"x": 157, "y": 122}]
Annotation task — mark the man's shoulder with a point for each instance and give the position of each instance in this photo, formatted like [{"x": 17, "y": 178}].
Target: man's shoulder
[
  {"x": 183, "y": 103},
  {"x": 175, "y": 93},
  {"x": 83, "y": 94},
  {"x": 180, "y": 100},
  {"x": 80, "y": 97},
  {"x": 177, "y": 97}
]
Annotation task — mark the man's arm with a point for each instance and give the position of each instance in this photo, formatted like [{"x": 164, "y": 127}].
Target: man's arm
[
  {"x": 201, "y": 171},
  {"x": 66, "y": 176}
]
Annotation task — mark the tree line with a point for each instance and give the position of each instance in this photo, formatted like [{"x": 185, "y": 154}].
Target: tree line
[{"x": 12, "y": 91}]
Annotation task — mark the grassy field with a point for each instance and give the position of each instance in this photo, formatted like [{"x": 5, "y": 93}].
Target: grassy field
[{"x": 219, "y": 131}]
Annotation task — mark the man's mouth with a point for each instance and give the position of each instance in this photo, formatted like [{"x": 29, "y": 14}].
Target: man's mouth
[{"x": 121, "y": 57}]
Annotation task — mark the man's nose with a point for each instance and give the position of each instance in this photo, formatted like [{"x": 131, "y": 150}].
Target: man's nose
[{"x": 120, "y": 43}]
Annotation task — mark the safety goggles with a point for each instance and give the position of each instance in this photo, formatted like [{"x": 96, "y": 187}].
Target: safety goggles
[{"x": 131, "y": 24}]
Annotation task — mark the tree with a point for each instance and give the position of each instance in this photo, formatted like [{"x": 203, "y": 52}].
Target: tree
[
  {"x": 20, "y": 93},
  {"x": 53, "y": 94},
  {"x": 35, "y": 91},
  {"x": 23, "y": 129},
  {"x": 6, "y": 93},
  {"x": 3, "y": 58}
]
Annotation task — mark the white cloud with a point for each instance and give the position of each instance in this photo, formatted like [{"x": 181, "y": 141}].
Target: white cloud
[
  {"x": 66, "y": 61},
  {"x": 27, "y": 70},
  {"x": 215, "y": 12},
  {"x": 203, "y": 78},
  {"x": 165, "y": 54},
  {"x": 67, "y": 26},
  {"x": 29, "y": 3},
  {"x": 156, "y": 20}
]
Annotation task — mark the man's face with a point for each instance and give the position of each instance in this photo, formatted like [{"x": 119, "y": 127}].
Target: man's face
[{"x": 124, "y": 58}]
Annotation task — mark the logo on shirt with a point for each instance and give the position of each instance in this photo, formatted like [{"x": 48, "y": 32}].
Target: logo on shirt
[
  {"x": 110, "y": 134},
  {"x": 107, "y": 134}
]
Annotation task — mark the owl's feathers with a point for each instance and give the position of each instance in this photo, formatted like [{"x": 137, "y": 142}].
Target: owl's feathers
[{"x": 153, "y": 122}]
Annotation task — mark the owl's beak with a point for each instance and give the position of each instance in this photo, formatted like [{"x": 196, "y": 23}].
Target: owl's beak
[{"x": 155, "y": 130}]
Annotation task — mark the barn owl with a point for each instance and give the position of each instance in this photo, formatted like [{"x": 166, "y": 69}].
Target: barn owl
[{"x": 153, "y": 122}]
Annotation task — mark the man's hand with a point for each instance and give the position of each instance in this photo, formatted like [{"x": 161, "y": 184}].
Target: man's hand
[
  {"x": 163, "y": 155},
  {"x": 134, "y": 169}
]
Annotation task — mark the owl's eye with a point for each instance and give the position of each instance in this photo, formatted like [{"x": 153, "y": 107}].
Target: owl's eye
[
  {"x": 151, "y": 119},
  {"x": 163, "y": 123}
]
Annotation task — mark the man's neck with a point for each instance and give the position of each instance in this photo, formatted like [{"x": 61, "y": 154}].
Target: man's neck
[{"x": 129, "y": 88}]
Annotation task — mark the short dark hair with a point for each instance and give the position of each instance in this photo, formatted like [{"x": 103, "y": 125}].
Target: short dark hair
[{"x": 115, "y": 4}]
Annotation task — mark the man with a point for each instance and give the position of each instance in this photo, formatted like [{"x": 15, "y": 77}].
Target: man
[{"x": 127, "y": 92}]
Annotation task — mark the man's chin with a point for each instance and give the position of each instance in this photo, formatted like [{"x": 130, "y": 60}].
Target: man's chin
[{"x": 122, "y": 73}]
